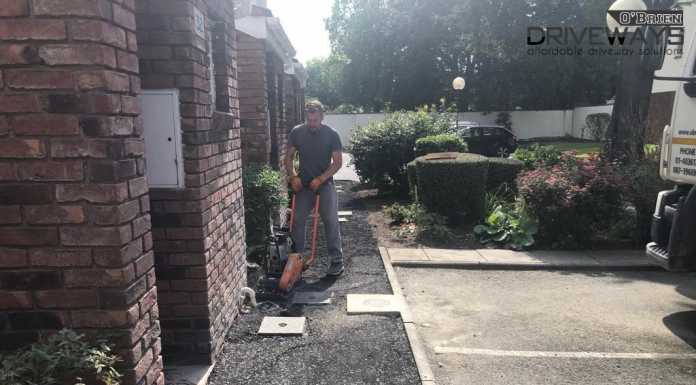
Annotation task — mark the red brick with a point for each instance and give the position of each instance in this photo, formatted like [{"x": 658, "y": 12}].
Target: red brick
[
  {"x": 60, "y": 257},
  {"x": 142, "y": 367},
  {"x": 130, "y": 105},
  {"x": 99, "y": 8},
  {"x": 32, "y": 29},
  {"x": 38, "y": 80},
  {"x": 107, "y": 80},
  {"x": 141, "y": 225},
  {"x": 19, "y": 103},
  {"x": 10, "y": 300},
  {"x": 4, "y": 127},
  {"x": 21, "y": 148},
  {"x": 99, "y": 277},
  {"x": 88, "y": 54},
  {"x": 41, "y": 171},
  {"x": 124, "y": 17},
  {"x": 104, "y": 104},
  {"x": 138, "y": 187},
  {"x": 14, "y": 8},
  {"x": 28, "y": 236},
  {"x": 97, "y": 31},
  {"x": 115, "y": 257},
  {"x": 134, "y": 147},
  {"x": 132, "y": 41},
  {"x": 107, "y": 126},
  {"x": 144, "y": 264},
  {"x": 115, "y": 214},
  {"x": 46, "y": 124},
  {"x": 54, "y": 214},
  {"x": 101, "y": 319},
  {"x": 148, "y": 301},
  {"x": 10, "y": 258},
  {"x": 10, "y": 215},
  {"x": 95, "y": 236},
  {"x": 79, "y": 148},
  {"x": 66, "y": 299},
  {"x": 127, "y": 61},
  {"x": 94, "y": 193},
  {"x": 19, "y": 54}
]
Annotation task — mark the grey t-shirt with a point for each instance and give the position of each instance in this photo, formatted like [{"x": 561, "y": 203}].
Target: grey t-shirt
[{"x": 315, "y": 147}]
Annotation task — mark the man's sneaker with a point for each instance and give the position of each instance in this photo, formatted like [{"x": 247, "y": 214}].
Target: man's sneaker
[{"x": 335, "y": 269}]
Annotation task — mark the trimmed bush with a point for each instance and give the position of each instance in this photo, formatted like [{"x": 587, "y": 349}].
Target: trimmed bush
[
  {"x": 264, "y": 195},
  {"x": 538, "y": 156},
  {"x": 440, "y": 143},
  {"x": 503, "y": 171},
  {"x": 455, "y": 187},
  {"x": 381, "y": 150}
]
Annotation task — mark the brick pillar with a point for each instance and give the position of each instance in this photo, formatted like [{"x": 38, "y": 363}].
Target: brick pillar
[
  {"x": 75, "y": 240},
  {"x": 198, "y": 230},
  {"x": 253, "y": 100}
]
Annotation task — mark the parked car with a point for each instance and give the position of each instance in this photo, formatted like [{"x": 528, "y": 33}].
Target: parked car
[{"x": 493, "y": 141}]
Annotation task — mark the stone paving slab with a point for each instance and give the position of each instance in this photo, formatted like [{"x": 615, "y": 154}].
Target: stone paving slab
[
  {"x": 187, "y": 374},
  {"x": 487, "y": 258},
  {"x": 374, "y": 303}
]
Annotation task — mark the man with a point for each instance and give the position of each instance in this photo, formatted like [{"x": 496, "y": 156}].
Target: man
[{"x": 321, "y": 157}]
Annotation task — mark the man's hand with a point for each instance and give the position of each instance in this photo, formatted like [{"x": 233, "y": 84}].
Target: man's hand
[
  {"x": 296, "y": 183},
  {"x": 316, "y": 183}
]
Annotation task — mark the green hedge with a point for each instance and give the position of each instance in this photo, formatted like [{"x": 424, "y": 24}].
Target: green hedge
[
  {"x": 453, "y": 187},
  {"x": 503, "y": 171},
  {"x": 440, "y": 143},
  {"x": 264, "y": 195}
]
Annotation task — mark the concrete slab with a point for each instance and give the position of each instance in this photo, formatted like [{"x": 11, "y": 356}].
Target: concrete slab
[
  {"x": 374, "y": 304},
  {"x": 621, "y": 258},
  {"x": 342, "y": 220},
  {"x": 449, "y": 255},
  {"x": 187, "y": 374},
  {"x": 312, "y": 297},
  {"x": 345, "y": 213},
  {"x": 563, "y": 258},
  {"x": 282, "y": 326},
  {"x": 508, "y": 257},
  {"x": 397, "y": 254}
]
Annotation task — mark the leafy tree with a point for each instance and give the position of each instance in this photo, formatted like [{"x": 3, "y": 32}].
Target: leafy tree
[{"x": 324, "y": 80}]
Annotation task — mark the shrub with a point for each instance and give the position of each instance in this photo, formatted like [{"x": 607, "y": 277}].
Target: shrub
[
  {"x": 381, "y": 150},
  {"x": 264, "y": 195},
  {"x": 63, "y": 358},
  {"x": 412, "y": 180},
  {"x": 573, "y": 199},
  {"x": 440, "y": 143},
  {"x": 644, "y": 184},
  {"x": 508, "y": 225},
  {"x": 538, "y": 156},
  {"x": 503, "y": 172},
  {"x": 414, "y": 219},
  {"x": 455, "y": 187},
  {"x": 598, "y": 125}
]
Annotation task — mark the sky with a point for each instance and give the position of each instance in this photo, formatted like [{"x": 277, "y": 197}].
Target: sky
[{"x": 303, "y": 21}]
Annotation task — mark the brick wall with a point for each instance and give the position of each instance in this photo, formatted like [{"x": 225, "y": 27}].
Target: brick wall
[
  {"x": 199, "y": 230},
  {"x": 75, "y": 239},
  {"x": 253, "y": 100}
]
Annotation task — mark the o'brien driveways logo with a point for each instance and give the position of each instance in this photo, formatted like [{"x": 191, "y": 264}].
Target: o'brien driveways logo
[{"x": 624, "y": 28}]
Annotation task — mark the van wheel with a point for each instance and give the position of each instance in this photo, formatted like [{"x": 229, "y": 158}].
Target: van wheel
[{"x": 503, "y": 152}]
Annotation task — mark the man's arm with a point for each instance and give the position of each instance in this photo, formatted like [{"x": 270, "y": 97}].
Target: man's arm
[{"x": 336, "y": 164}]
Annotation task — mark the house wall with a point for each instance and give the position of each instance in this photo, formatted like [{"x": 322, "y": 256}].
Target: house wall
[
  {"x": 253, "y": 100},
  {"x": 198, "y": 230},
  {"x": 75, "y": 234}
]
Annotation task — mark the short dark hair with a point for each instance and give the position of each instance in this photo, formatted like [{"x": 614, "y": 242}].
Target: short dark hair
[{"x": 314, "y": 106}]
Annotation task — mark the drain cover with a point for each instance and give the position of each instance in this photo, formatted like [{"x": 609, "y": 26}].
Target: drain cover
[
  {"x": 282, "y": 326},
  {"x": 373, "y": 303}
]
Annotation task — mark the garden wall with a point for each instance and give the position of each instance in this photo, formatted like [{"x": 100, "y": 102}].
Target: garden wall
[{"x": 525, "y": 124}]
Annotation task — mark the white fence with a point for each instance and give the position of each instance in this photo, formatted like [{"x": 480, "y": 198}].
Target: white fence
[{"x": 525, "y": 124}]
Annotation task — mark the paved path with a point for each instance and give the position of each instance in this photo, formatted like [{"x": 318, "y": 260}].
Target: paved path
[
  {"x": 347, "y": 172},
  {"x": 337, "y": 349},
  {"x": 490, "y": 327},
  {"x": 496, "y": 258}
]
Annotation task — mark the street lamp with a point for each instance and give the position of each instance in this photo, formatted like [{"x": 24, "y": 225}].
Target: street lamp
[{"x": 458, "y": 84}]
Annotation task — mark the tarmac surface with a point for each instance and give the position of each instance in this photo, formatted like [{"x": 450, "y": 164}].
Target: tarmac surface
[
  {"x": 336, "y": 348},
  {"x": 554, "y": 327}
]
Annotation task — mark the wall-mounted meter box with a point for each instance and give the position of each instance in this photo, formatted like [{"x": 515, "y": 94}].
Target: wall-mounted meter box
[{"x": 162, "y": 128}]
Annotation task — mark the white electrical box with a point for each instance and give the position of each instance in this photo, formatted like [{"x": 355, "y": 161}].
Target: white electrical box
[{"x": 162, "y": 128}]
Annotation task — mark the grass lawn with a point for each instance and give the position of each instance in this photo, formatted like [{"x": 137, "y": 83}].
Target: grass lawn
[{"x": 581, "y": 148}]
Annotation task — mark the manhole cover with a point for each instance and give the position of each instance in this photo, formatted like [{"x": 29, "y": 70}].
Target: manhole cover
[
  {"x": 374, "y": 303},
  {"x": 282, "y": 326}
]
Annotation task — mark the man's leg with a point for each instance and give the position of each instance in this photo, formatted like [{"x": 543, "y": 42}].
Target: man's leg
[
  {"x": 304, "y": 203},
  {"x": 328, "y": 210}
]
